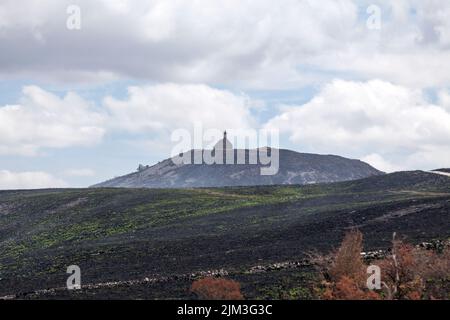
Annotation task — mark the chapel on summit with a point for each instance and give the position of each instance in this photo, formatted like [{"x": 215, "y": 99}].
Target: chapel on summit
[
  {"x": 225, "y": 148},
  {"x": 224, "y": 144}
]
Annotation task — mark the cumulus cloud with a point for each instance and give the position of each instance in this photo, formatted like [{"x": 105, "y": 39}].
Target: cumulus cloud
[
  {"x": 28, "y": 180},
  {"x": 388, "y": 125},
  {"x": 380, "y": 163},
  {"x": 166, "y": 107},
  {"x": 44, "y": 120},
  {"x": 255, "y": 44},
  {"x": 171, "y": 40}
]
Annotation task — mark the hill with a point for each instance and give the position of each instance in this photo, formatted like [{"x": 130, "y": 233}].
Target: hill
[
  {"x": 166, "y": 234},
  {"x": 294, "y": 168},
  {"x": 445, "y": 170}
]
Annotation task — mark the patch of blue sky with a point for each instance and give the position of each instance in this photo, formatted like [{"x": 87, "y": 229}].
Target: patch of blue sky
[{"x": 11, "y": 90}]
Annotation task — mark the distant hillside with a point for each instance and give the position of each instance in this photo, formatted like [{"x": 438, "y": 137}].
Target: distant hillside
[
  {"x": 295, "y": 168},
  {"x": 447, "y": 170},
  {"x": 404, "y": 180}
]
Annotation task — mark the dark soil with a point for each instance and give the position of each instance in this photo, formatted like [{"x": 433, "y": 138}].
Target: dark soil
[{"x": 126, "y": 234}]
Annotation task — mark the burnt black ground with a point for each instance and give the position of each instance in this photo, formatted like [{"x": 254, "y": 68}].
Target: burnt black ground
[{"x": 123, "y": 234}]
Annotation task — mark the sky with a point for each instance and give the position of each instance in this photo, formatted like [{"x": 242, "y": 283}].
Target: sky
[{"x": 91, "y": 89}]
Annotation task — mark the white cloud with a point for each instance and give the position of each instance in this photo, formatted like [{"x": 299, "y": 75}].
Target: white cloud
[
  {"x": 42, "y": 120},
  {"x": 392, "y": 126},
  {"x": 380, "y": 163},
  {"x": 28, "y": 180},
  {"x": 257, "y": 44},
  {"x": 444, "y": 99},
  {"x": 164, "y": 107}
]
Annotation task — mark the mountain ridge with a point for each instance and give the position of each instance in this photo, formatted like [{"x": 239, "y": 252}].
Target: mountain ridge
[{"x": 294, "y": 168}]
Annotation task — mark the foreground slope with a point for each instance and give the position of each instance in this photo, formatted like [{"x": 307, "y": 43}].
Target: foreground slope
[
  {"x": 295, "y": 168},
  {"x": 121, "y": 234}
]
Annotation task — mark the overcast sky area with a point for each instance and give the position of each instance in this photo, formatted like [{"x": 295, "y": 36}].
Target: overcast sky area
[{"x": 78, "y": 106}]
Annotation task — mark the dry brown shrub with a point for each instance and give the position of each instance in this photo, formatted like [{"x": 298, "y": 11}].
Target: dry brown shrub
[
  {"x": 348, "y": 289},
  {"x": 398, "y": 272},
  {"x": 348, "y": 261},
  {"x": 345, "y": 275},
  {"x": 217, "y": 289},
  {"x": 407, "y": 272},
  {"x": 415, "y": 273}
]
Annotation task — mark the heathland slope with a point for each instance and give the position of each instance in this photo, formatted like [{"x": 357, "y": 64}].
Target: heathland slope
[{"x": 121, "y": 234}]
